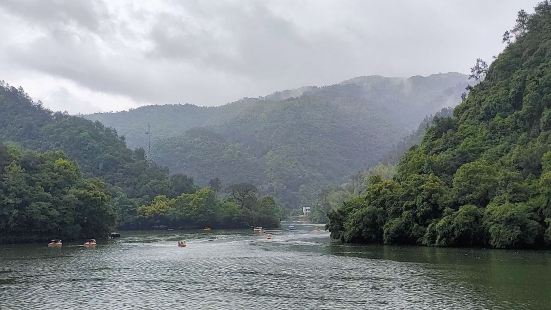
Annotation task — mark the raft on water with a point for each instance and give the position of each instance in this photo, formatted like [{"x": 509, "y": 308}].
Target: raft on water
[
  {"x": 55, "y": 243},
  {"x": 90, "y": 243}
]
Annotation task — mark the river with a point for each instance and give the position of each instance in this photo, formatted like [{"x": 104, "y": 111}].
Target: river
[{"x": 295, "y": 270}]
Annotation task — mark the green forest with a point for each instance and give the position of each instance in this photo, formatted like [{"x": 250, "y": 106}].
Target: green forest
[
  {"x": 241, "y": 208},
  {"x": 290, "y": 143},
  {"x": 481, "y": 177},
  {"x": 44, "y": 196},
  {"x": 119, "y": 183}
]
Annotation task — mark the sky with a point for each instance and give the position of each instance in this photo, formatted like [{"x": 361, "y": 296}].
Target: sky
[{"x": 85, "y": 56}]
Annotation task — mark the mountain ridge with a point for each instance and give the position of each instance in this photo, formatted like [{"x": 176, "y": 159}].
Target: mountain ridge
[{"x": 325, "y": 133}]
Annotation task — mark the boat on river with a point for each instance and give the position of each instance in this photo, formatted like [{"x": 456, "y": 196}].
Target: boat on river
[
  {"x": 182, "y": 243},
  {"x": 55, "y": 243},
  {"x": 258, "y": 229},
  {"x": 115, "y": 235},
  {"x": 269, "y": 236},
  {"x": 90, "y": 243}
]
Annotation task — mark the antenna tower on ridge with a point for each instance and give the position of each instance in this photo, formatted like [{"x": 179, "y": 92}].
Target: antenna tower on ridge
[{"x": 148, "y": 133}]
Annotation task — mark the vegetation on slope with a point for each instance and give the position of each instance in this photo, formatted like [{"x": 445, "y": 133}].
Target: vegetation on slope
[
  {"x": 98, "y": 150},
  {"x": 290, "y": 143},
  {"x": 44, "y": 196},
  {"x": 481, "y": 178}
]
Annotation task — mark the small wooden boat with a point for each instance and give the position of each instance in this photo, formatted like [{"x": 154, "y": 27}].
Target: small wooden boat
[
  {"x": 55, "y": 243},
  {"x": 207, "y": 229},
  {"x": 182, "y": 243},
  {"x": 257, "y": 229},
  {"x": 269, "y": 236},
  {"x": 90, "y": 243}
]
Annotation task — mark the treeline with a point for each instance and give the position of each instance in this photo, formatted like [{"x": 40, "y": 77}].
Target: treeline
[
  {"x": 44, "y": 196},
  {"x": 242, "y": 208},
  {"x": 481, "y": 177}
]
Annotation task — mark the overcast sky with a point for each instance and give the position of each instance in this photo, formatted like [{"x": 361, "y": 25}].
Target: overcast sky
[{"x": 88, "y": 56}]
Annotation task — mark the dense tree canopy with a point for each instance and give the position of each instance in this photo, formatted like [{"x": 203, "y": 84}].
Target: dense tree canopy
[
  {"x": 481, "y": 177},
  {"x": 204, "y": 209},
  {"x": 43, "y": 196}
]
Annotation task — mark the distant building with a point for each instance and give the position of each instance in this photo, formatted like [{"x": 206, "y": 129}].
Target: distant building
[{"x": 305, "y": 210}]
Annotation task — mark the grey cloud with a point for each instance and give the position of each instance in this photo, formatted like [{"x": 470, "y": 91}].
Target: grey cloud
[
  {"x": 212, "y": 52},
  {"x": 60, "y": 13},
  {"x": 63, "y": 100},
  {"x": 245, "y": 41}
]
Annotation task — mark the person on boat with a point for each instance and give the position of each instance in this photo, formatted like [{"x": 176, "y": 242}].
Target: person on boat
[
  {"x": 55, "y": 243},
  {"x": 90, "y": 243}
]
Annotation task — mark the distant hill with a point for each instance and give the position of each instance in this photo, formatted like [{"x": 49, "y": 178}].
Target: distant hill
[{"x": 290, "y": 142}]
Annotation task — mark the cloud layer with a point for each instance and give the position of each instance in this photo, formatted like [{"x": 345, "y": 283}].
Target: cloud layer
[{"x": 84, "y": 56}]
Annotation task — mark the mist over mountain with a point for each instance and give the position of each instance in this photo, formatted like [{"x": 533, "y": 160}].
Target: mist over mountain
[{"x": 290, "y": 142}]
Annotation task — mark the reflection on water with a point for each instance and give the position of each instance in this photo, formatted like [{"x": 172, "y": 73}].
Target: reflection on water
[{"x": 298, "y": 269}]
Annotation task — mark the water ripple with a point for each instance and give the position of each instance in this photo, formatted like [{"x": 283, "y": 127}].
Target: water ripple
[{"x": 230, "y": 271}]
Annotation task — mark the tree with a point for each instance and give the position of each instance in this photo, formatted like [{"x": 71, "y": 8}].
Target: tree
[
  {"x": 181, "y": 184},
  {"x": 521, "y": 25},
  {"x": 475, "y": 183},
  {"x": 4, "y": 156},
  {"x": 507, "y": 37},
  {"x": 269, "y": 214},
  {"x": 479, "y": 71},
  {"x": 215, "y": 184},
  {"x": 244, "y": 194},
  {"x": 94, "y": 213},
  {"x": 512, "y": 225}
]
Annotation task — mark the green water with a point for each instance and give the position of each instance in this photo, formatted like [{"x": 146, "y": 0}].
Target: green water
[{"x": 296, "y": 269}]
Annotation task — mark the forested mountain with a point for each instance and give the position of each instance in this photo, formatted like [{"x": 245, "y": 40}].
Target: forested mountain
[
  {"x": 39, "y": 192},
  {"x": 98, "y": 150},
  {"x": 481, "y": 177},
  {"x": 292, "y": 142},
  {"x": 166, "y": 120}
]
